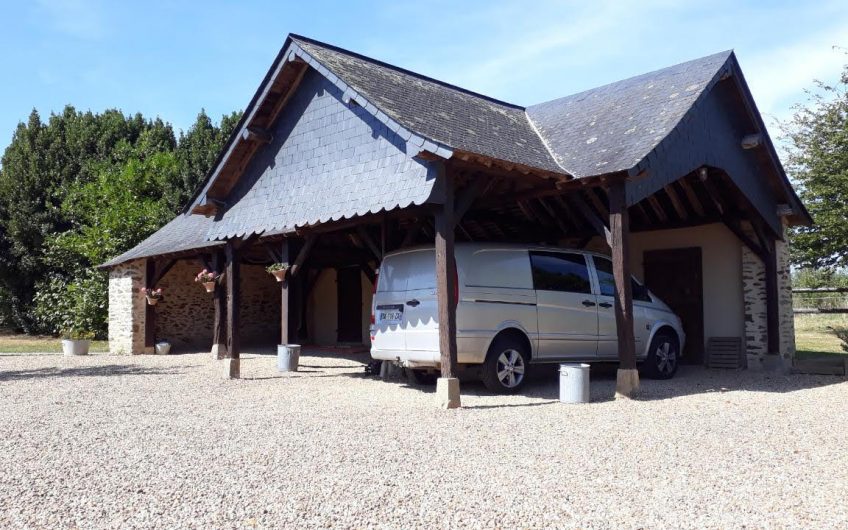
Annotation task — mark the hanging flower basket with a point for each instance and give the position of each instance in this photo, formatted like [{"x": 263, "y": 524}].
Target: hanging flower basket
[
  {"x": 153, "y": 295},
  {"x": 208, "y": 279},
  {"x": 279, "y": 270}
]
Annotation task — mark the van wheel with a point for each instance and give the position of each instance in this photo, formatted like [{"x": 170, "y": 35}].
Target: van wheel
[
  {"x": 663, "y": 356},
  {"x": 420, "y": 377},
  {"x": 506, "y": 366}
]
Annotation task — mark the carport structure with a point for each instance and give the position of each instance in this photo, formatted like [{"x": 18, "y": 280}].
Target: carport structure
[{"x": 340, "y": 158}]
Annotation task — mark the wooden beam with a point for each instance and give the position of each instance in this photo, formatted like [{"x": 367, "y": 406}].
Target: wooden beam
[
  {"x": 446, "y": 279},
  {"x": 692, "y": 197},
  {"x": 751, "y": 141},
  {"x": 257, "y": 134},
  {"x": 162, "y": 271},
  {"x": 149, "y": 310},
  {"x": 232, "y": 278},
  {"x": 628, "y": 379},
  {"x": 657, "y": 208},
  {"x": 412, "y": 232},
  {"x": 713, "y": 193},
  {"x": 592, "y": 218},
  {"x": 302, "y": 255},
  {"x": 369, "y": 241},
  {"x": 284, "y": 294},
  {"x": 219, "y": 331},
  {"x": 733, "y": 224},
  {"x": 676, "y": 202},
  {"x": 597, "y": 203},
  {"x": 466, "y": 198},
  {"x": 272, "y": 253},
  {"x": 368, "y": 271}
]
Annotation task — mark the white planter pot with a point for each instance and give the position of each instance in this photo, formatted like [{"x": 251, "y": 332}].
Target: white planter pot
[
  {"x": 75, "y": 347},
  {"x": 162, "y": 348}
]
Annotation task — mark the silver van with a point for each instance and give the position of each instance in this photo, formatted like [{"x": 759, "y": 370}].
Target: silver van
[{"x": 517, "y": 305}]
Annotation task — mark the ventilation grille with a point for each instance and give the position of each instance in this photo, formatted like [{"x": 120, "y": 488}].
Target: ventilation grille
[{"x": 724, "y": 352}]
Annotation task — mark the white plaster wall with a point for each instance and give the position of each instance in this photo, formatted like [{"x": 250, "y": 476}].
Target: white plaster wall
[
  {"x": 322, "y": 309},
  {"x": 721, "y": 254}
]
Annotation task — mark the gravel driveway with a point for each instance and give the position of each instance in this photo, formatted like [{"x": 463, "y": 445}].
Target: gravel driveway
[{"x": 107, "y": 442}]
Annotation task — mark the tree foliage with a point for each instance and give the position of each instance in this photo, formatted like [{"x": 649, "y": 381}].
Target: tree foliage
[
  {"x": 818, "y": 163},
  {"x": 80, "y": 189}
]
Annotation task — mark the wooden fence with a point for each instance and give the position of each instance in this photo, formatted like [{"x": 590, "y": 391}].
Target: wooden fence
[{"x": 820, "y": 300}]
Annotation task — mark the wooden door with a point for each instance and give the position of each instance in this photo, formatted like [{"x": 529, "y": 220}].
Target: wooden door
[
  {"x": 676, "y": 276},
  {"x": 349, "y": 289}
]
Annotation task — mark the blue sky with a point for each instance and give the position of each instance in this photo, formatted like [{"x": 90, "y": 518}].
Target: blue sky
[{"x": 172, "y": 58}]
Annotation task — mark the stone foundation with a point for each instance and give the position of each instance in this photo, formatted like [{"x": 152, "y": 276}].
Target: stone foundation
[
  {"x": 127, "y": 309},
  {"x": 784, "y": 293}
]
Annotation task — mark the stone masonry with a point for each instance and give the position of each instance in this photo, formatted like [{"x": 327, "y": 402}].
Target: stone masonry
[
  {"x": 126, "y": 308},
  {"x": 754, "y": 294},
  {"x": 185, "y": 315}
]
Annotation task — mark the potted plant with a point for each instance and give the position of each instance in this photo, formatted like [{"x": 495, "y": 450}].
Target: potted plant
[
  {"x": 208, "y": 279},
  {"x": 153, "y": 295},
  {"x": 278, "y": 270},
  {"x": 76, "y": 341}
]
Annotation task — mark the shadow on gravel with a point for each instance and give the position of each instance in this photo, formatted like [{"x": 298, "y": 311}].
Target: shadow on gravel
[{"x": 86, "y": 371}]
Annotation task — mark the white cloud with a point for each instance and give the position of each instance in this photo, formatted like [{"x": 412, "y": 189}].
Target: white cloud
[{"x": 779, "y": 76}]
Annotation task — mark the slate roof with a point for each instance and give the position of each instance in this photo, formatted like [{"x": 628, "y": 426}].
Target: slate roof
[
  {"x": 607, "y": 129},
  {"x": 613, "y": 127},
  {"x": 185, "y": 232},
  {"x": 441, "y": 112}
]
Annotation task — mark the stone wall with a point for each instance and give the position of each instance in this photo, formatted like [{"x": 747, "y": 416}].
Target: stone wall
[
  {"x": 186, "y": 313},
  {"x": 756, "y": 322},
  {"x": 126, "y": 309},
  {"x": 784, "y": 290},
  {"x": 754, "y": 296}
]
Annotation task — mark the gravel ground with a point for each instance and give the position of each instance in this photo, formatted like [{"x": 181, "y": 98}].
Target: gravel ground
[{"x": 163, "y": 442}]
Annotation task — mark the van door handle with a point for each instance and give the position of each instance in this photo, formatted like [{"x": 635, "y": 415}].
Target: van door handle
[
  {"x": 605, "y": 305},
  {"x": 412, "y": 303},
  {"x": 588, "y": 303}
]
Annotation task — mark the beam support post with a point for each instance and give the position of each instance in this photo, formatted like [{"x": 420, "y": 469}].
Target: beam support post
[
  {"x": 232, "y": 368},
  {"x": 447, "y": 388},
  {"x": 772, "y": 301},
  {"x": 219, "y": 332},
  {"x": 149, "y": 310},
  {"x": 627, "y": 380},
  {"x": 284, "y": 295}
]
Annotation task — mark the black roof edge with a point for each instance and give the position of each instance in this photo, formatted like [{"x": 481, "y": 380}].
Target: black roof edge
[{"x": 405, "y": 71}]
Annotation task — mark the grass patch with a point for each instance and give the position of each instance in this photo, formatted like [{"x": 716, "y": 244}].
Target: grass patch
[
  {"x": 814, "y": 339},
  {"x": 15, "y": 343}
]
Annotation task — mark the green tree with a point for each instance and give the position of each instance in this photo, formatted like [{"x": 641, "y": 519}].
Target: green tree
[{"x": 818, "y": 163}]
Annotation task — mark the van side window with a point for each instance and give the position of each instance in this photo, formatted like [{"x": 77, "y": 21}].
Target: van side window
[
  {"x": 606, "y": 281},
  {"x": 554, "y": 271}
]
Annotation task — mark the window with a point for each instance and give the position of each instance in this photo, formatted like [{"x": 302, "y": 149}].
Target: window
[
  {"x": 606, "y": 281},
  {"x": 553, "y": 271}
]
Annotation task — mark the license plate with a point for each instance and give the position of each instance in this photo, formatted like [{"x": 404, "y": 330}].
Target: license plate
[{"x": 390, "y": 314}]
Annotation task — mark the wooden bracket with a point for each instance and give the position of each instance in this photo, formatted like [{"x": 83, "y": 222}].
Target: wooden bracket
[
  {"x": 302, "y": 255},
  {"x": 369, "y": 242},
  {"x": 592, "y": 218}
]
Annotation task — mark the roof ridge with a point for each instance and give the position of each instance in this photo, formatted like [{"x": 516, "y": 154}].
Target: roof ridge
[
  {"x": 423, "y": 77},
  {"x": 725, "y": 53}
]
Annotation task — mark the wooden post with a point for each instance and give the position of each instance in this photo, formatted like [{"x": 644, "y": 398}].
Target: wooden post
[
  {"x": 232, "y": 367},
  {"x": 627, "y": 381},
  {"x": 284, "y": 296},
  {"x": 219, "y": 332},
  {"x": 149, "y": 310},
  {"x": 447, "y": 388}
]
